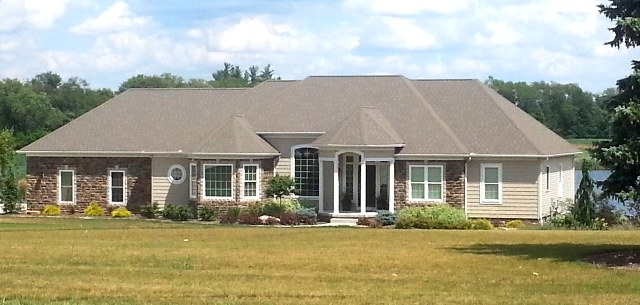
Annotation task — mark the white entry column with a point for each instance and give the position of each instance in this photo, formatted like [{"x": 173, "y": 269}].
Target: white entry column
[
  {"x": 336, "y": 187},
  {"x": 363, "y": 186},
  {"x": 321, "y": 186},
  {"x": 391, "y": 188}
]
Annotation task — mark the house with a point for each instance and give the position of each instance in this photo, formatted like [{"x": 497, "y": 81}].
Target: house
[{"x": 354, "y": 144}]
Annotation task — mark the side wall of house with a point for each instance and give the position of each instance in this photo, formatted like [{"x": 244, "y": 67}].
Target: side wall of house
[
  {"x": 283, "y": 145},
  {"x": 163, "y": 190},
  {"x": 91, "y": 180},
  {"x": 453, "y": 182},
  {"x": 561, "y": 183},
  {"x": 519, "y": 190}
]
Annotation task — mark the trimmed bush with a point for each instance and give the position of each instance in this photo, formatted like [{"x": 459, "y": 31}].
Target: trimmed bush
[
  {"x": 176, "y": 212},
  {"x": 515, "y": 224},
  {"x": 433, "y": 217},
  {"x": 307, "y": 216},
  {"x": 289, "y": 219},
  {"x": 387, "y": 218},
  {"x": 481, "y": 224},
  {"x": 94, "y": 209},
  {"x": 121, "y": 212},
  {"x": 232, "y": 215},
  {"x": 51, "y": 210},
  {"x": 371, "y": 222},
  {"x": 150, "y": 210},
  {"x": 206, "y": 213},
  {"x": 275, "y": 208},
  {"x": 247, "y": 218}
]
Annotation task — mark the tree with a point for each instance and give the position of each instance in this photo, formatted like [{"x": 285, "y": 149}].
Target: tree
[
  {"x": 584, "y": 209},
  {"x": 280, "y": 186},
  {"x": 9, "y": 192},
  {"x": 622, "y": 153}
]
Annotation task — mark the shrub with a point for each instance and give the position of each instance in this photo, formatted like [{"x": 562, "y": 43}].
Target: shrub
[
  {"x": 307, "y": 216},
  {"x": 371, "y": 222},
  {"x": 280, "y": 186},
  {"x": 275, "y": 208},
  {"x": 289, "y": 219},
  {"x": 515, "y": 224},
  {"x": 121, "y": 212},
  {"x": 433, "y": 217},
  {"x": 232, "y": 215},
  {"x": 247, "y": 218},
  {"x": 481, "y": 224},
  {"x": 94, "y": 209},
  {"x": 387, "y": 218},
  {"x": 51, "y": 210},
  {"x": 150, "y": 210},
  {"x": 176, "y": 212},
  {"x": 206, "y": 213}
]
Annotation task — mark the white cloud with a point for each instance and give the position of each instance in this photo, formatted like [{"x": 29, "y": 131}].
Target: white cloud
[
  {"x": 500, "y": 34},
  {"x": 40, "y": 14},
  {"x": 407, "y": 7},
  {"x": 116, "y": 18},
  {"x": 402, "y": 33}
]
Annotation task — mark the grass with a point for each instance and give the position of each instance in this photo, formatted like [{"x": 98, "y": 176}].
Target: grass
[{"x": 81, "y": 261}]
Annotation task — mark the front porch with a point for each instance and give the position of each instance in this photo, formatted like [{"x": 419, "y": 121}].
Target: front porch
[{"x": 354, "y": 185}]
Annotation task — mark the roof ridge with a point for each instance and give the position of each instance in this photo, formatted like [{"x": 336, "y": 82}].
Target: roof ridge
[
  {"x": 184, "y": 89},
  {"x": 488, "y": 91},
  {"x": 429, "y": 107}
]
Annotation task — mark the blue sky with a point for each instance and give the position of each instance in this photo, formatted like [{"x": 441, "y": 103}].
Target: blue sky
[{"x": 105, "y": 42}]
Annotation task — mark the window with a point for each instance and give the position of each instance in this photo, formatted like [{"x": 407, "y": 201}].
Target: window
[
  {"x": 117, "y": 183},
  {"x": 491, "y": 183},
  {"x": 306, "y": 171},
  {"x": 426, "y": 182},
  {"x": 560, "y": 180},
  {"x": 193, "y": 180},
  {"x": 546, "y": 187},
  {"x": 176, "y": 174},
  {"x": 66, "y": 186},
  {"x": 250, "y": 186},
  {"x": 218, "y": 180}
]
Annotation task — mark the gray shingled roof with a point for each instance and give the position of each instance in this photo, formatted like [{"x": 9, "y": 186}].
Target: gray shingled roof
[
  {"x": 431, "y": 117},
  {"x": 367, "y": 126},
  {"x": 235, "y": 136}
]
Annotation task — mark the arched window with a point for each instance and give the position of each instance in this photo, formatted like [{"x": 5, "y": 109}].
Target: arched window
[{"x": 306, "y": 171}]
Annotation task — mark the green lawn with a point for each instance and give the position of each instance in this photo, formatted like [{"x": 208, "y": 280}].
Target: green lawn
[{"x": 79, "y": 261}]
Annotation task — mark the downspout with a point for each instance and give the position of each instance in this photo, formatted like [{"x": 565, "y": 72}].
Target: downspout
[
  {"x": 540, "y": 192},
  {"x": 466, "y": 165}
]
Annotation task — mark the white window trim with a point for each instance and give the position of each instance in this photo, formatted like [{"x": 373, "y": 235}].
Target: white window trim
[
  {"x": 73, "y": 185},
  {"x": 191, "y": 172},
  {"x": 257, "y": 181},
  {"x": 426, "y": 183},
  {"x": 124, "y": 187},
  {"x": 204, "y": 188},
  {"x": 292, "y": 168},
  {"x": 180, "y": 167},
  {"x": 484, "y": 200}
]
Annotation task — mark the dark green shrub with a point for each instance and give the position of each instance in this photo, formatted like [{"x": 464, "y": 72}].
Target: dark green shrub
[
  {"x": 51, "y": 210},
  {"x": 289, "y": 219},
  {"x": 307, "y": 216},
  {"x": 10, "y": 195},
  {"x": 94, "y": 209},
  {"x": 280, "y": 186},
  {"x": 121, "y": 212},
  {"x": 150, "y": 210},
  {"x": 231, "y": 216},
  {"x": 481, "y": 224},
  {"x": 206, "y": 213},
  {"x": 387, "y": 218},
  {"x": 176, "y": 212},
  {"x": 515, "y": 224}
]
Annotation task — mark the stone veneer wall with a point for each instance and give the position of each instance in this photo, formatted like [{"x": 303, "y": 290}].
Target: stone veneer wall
[
  {"x": 453, "y": 188},
  {"x": 266, "y": 170},
  {"x": 91, "y": 180}
]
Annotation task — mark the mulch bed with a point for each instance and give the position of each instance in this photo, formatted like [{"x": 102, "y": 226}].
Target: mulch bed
[{"x": 628, "y": 260}]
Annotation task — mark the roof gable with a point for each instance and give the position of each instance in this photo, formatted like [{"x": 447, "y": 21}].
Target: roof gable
[
  {"x": 366, "y": 126},
  {"x": 235, "y": 137}
]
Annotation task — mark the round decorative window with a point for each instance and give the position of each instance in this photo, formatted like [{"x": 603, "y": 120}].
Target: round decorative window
[{"x": 176, "y": 174}]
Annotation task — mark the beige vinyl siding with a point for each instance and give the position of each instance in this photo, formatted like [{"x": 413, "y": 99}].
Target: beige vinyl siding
[
  {"x": 283, "y": 166},
  {"x": 519, "y": 190},
  {"x": 553, "y": 194},
  {"x": 164, "y": 191},
  {"x": 283, "y": 145}
]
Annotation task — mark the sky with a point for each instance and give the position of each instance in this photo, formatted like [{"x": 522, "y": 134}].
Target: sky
[{"x": 106, "y": 42}]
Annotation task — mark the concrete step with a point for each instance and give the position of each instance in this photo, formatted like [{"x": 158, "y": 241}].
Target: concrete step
[{"x": 344, "y": 221}]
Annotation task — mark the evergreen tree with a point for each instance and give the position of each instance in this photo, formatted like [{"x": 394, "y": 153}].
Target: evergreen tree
[{"x": 584, "y": 209}]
